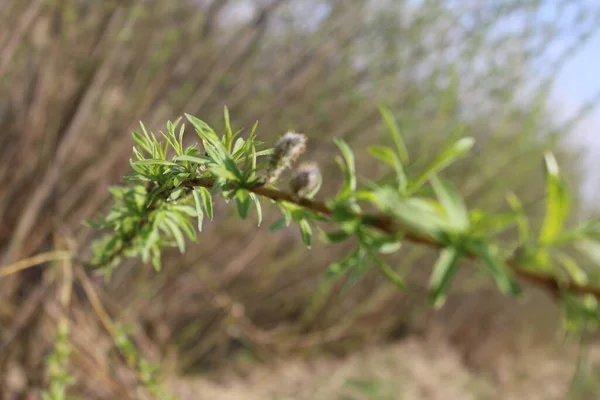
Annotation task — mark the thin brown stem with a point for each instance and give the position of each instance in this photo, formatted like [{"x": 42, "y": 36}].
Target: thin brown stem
[{"x": 389, "y": 225}]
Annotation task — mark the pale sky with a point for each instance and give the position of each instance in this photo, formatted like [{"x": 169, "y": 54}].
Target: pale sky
[{"x": 578, "y": 83}]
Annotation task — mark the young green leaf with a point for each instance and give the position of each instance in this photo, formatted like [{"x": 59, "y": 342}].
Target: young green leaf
[
  {"x": 414, "y": 213},
  {"x": 337, "y": 236},
  {"x": 205, "y": 132},
  {"x": 228, "y": 131},
  {"x": 193, "y": 159},
  {"x": 557, "y": 202},
  {"x": 242, "y": 201},
  {"x": 573, "y": 269},
  {"x": 258, "y": 207},
  {"x": 443, "y": 272},
  {"x": 175, "y": 231},
  {"x": 387, "y": 271},
  {"x": 386, "y": 155},
  {"x": 394, "y": 133},
  {"x": 453, "y": 204},
  {"x": 347, "y": 167},
  {"x": 458, "y": 149},
  {"x": 306, "y": 232},
  {"x": 591, "y": 249},
  {"x": 497, "y": 268},
  {"x": 279, "y": 224},
  {"x": 522, "y": 222},
  {"x": 198, "y": 202},
  {"x": 340, "y": 267},
  {"x": 206, "y": 199}
]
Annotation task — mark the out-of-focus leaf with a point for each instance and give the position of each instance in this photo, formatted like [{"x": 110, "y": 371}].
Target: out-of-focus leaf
[
  {"x": 386, "y": 155},
  {"x": 573, "y": 269},
  {"x": 347, "y": 166},
  {"x": 242, "y": 200},
  {"x": 416, "y": 214},
  {"x": 394, "y": 133},
  {"x": 557, "y": 202},
  {"x": 498, "y": 269},
  {"x": 453, "y": 204},
  {"x": 456, "y": 150},
  {"x": 258, "y": 207},
  {"x": 444, "y": 270},
  {"x": 340, "y": 267},
  {"x": 591, "y": 249},
  {"x": 193, "y": 159},
  {"x": 522, "y": 221},
  {"x": 306, "y": 233},
  {"x": 198, "y": 203}
]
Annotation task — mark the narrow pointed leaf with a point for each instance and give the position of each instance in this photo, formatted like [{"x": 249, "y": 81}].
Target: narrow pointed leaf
[
  {"x": 458, "y": 149},
  {"x": 444, "y": 271},
  {"x": 258, "y": 207},
  {"x": 198, "y": 203},
  {"x": 306, "y": 233},
  {"x": 394, "y": 133},
  {"x": 453, "y": 204},
  {"x": 557, "y": 202},
  {"x": 242, "y": 200}
]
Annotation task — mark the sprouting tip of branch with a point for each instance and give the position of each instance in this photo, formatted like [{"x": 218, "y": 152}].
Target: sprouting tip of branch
[{"x": 287, "y": 150}]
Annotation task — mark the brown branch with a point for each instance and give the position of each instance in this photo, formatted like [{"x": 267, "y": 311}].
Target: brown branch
[{"x": 387, "y": 224}]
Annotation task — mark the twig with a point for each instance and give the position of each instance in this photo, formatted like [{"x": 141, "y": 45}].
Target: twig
[
  {"x": 387, "y": 224},
  {"x": 33, "y": 261}
]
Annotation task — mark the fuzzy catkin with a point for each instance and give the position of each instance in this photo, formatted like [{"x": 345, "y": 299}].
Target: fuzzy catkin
[
  {"x": 287, "y": 150},
  {"x": 306, "y": 179}
]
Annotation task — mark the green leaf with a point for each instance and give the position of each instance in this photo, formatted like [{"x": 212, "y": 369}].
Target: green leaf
[
  {"x": 279, "y": 224},
  {"x": 193, "y": 159},
  {"x": 188, "y": 210},
  {"x": 337, "y": 236},
  {"x": 306, "y": 232},
  {"x": 458, "y": 149},
  {"x": 591, "y": 249},
  {"x": 266, "y": 152},
  {"x": 360, "y": 267},
  {"x": 238, "y": 149},
  {"x": 488, "y": 225},
  {"x": 176, "y": 232},
  {"x": 228, "y": 131},
  {"x": 498, "y": 269},
  {"x": 443, "y": 272},
  {"x": 522, "y": 222},
  {"x": 394, "y": 132},
  {"x": 453, "y": 204},
  {"x": 340, "y": 267},
  {"x": 198, "y": 202},
  {"x": 205, "y": 132},
  {"x": 557, "y": 202},
  {"x": 242, "y": 200},
  {"x": 386, "y": 155},
  {"x": 414, "y": 213},
  {"x": 388, "y": 272},
  {"x": 573, "y": 269},
  {"x": 348, "y": 169},
  {"x": 142, "y": 142},
  {"x": 206, "y": 201},
  {"x": 258, "y": 207},
  {"x": 233, "y": 168}
]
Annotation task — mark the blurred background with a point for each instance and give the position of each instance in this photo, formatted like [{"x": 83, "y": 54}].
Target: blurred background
[{"x": 245, "y": 313}]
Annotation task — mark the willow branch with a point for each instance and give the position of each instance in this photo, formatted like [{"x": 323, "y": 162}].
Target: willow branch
[{"x": 389, "y": 225}]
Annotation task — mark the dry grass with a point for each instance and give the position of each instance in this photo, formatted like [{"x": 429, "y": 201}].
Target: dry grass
[{"x": 416, "y": 368}]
